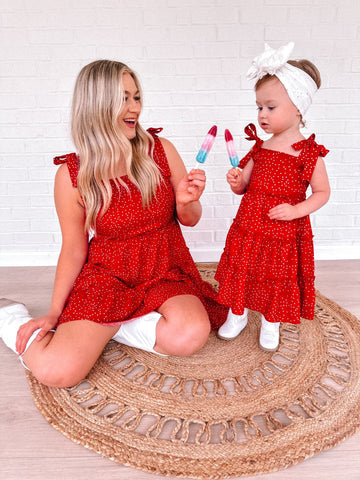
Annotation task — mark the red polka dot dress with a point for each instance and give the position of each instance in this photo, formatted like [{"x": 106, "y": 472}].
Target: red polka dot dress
[
  {"x": 268, "y": 265},
  {"x": 138, "y": 258}
]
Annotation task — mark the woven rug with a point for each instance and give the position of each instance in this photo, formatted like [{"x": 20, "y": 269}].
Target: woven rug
[{"x": 230, "y": 410}]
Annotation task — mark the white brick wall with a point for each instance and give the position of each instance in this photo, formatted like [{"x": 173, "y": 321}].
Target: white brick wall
[{"x": 192, "y": 56}]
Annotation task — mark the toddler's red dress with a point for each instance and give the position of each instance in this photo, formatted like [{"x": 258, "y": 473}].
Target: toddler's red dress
[
  {"x": 268, "y": 265},
  {"x": 138, "y": 258}
]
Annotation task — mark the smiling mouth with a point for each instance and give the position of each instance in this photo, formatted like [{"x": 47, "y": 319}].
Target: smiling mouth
[{"x": 130, "y": 122}]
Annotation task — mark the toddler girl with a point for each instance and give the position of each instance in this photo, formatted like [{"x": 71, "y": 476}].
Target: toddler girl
[{"x": 268, "y": 260}]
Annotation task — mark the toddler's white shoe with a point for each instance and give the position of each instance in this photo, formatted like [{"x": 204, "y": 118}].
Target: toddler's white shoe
[
  {"x": 269, "y": 335},
  {"x": 233, "y": 326}
]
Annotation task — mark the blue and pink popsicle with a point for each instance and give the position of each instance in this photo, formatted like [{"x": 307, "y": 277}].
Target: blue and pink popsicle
[
  {"x": 206, "y": 145},
  {"x": 234, "y": 159}
]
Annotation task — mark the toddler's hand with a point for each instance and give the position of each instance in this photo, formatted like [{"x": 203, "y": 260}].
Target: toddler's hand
[
  {"x": 283, "y": 212},
  {"x": 233, "y": 177}
]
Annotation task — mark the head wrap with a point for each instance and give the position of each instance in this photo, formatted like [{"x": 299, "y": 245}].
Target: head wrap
[{"x": 298, "y": 84}]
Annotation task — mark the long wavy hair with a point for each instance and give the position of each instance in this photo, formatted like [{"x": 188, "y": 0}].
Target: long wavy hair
[{"x": 102, "y": 146}]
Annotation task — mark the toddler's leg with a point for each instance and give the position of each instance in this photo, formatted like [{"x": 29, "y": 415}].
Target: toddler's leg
[
  {"x": 233, "y": 326},
  {"x": 269, "y": 335}
]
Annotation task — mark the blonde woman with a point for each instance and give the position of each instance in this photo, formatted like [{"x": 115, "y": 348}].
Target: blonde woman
[{"x": 134, "y": 281}]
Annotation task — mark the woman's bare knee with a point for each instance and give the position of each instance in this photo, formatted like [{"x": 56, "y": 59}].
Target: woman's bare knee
[
  {"x": 60, "y": 374},
  {"x": 184, "y": 328},
  {"x": 188, "y": 343},
  {"x": 70, "y": 354}
]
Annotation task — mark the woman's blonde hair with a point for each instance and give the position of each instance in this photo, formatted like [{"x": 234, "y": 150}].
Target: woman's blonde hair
[{"x": 101, "y": 145}]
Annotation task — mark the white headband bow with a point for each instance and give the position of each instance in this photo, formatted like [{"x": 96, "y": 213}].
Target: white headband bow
[{"x": 298, "y": 84}]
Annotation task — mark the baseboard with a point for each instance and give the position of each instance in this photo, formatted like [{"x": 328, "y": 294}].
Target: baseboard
[
  {"x": 343, "y": 252},
  {"x": 28, "y": 259},
  {"x": 40, "y": 259}
]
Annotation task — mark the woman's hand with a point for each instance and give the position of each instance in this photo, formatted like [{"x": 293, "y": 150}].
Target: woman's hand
[
  {"x": 46, "y": 322},
  {"x": 190, "y": 187}
]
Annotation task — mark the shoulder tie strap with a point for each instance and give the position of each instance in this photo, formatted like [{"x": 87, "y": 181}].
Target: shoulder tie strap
[
  {"x": 251, "y": 133},
  {"x": 154, "y": 131},
  {"x": 72, "y": 161},
  {"x": 310, "y": 144},
  {"x": 310, "y": 152}
]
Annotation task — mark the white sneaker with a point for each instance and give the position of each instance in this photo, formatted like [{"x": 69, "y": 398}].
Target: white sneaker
[
  {"x": 139, "y": 332},
  {"x": 12, "y": 316},
  {"x": 269, "y": 335},
  {"x": 233, "y": 326}
]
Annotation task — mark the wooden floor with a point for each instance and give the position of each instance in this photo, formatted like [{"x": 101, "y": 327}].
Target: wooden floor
[{"x": 30, "y": 449}]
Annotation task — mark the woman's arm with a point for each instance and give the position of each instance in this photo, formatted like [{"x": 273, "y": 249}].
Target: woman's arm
[
  {"x": 320, "y": 189},
  {"x": 71, "y": 259},
  {"x": 188, "y": 188},
  {"x": 74, "y": 248}
]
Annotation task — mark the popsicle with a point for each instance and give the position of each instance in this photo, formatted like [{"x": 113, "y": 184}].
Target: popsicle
[
  {"x": 206, "y": 145},
  {"x": 234, "y": 159}
]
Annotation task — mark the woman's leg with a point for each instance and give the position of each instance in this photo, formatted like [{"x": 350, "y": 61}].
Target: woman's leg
[
  {"x": 184, "y": 326},
  {"x": 64, "y": 358}
]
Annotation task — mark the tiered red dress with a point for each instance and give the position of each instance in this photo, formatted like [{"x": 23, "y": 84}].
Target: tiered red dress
[
  {"x": 138, "y": 257},
  {"x": 268, "y": 265}
]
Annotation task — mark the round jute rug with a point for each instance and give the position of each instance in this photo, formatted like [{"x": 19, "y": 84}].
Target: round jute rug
[{"x": 228, "y": 411}]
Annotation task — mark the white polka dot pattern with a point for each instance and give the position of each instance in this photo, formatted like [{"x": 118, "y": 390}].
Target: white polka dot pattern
[
  {"x": 138, "y": 258},
  {"x": 268, "y": 265}
]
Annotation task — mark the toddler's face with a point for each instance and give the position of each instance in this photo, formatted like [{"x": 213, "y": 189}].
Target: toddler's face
[{"x": 276, "y": 112}]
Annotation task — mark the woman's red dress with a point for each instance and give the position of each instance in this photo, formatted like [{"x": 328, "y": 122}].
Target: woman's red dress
[{"x": 138, "y": 258}]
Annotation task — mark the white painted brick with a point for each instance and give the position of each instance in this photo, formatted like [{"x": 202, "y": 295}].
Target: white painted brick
[
  {"x": 34, "y": 238},
  {"x": 179, "y": 33},
  {"x": 192, "y": 57},
  {"x": 7, "y": 239},
  {"x": 351, "y": 234},
  {"x": 33, "y": 213},
  {"x": 215, "y": 15},
  {"x": 48, "y": 226},
  {"x": 16, "y": 226},
  {"x": 45, "y": 200},
  {"x": 25, "y": 188},
  {"x": 330, "y": 221},
  {"x": 15, "y": 201},
  {"x": 220, "y": 237}
]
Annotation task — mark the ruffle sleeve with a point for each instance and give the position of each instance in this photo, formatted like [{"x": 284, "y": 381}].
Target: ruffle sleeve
[
  {"x": 72, "y": 162},
  {"x": 310, "y": 152},
  {"x": 250, "y": 131}
]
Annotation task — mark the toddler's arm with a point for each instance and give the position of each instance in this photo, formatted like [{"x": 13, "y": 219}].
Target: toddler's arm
[
  {"x": 239, "y": 179},
  {"x": 320, "y": 189}
]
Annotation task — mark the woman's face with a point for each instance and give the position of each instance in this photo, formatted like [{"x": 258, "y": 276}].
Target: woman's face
[{"x": 131, "y": 109}]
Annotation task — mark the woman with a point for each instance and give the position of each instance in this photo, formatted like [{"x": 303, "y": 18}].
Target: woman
[{"x": 135, "y": 281}]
